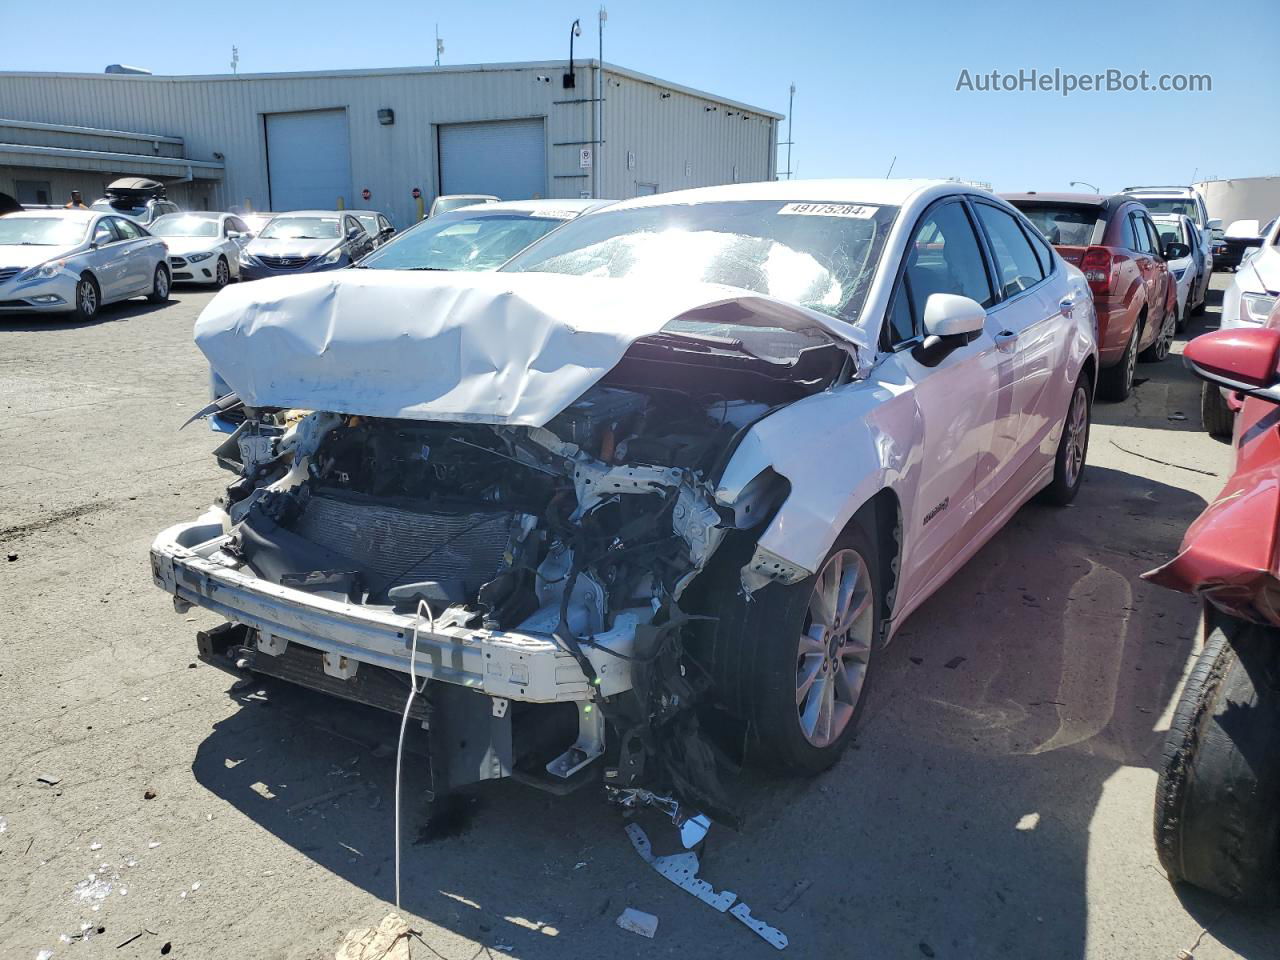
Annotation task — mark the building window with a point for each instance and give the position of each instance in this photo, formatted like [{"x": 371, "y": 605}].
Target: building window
[{"x": 33, "y": 191}]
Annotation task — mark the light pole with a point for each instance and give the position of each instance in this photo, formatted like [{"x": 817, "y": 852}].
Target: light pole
[
  {"x": 1085, "y": 183},
  {"x": 574, "y": 31}
]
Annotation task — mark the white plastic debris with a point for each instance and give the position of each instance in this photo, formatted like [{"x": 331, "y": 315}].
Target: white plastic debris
[
  {"x": 44, "y": 955},
  {"x": 195, "y": 886},
  {"x": 92, "y": 889},
  {"x": 153, "y": 844},
  {"x": 389, "y": 940},
  {"x": 637, "y": 921},
  {"x": 4, "y": 824},
  {"x": 95, "y": 845}
]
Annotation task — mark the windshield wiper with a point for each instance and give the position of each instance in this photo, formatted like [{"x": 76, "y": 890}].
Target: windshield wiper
[{"x": 706, "y": 343}]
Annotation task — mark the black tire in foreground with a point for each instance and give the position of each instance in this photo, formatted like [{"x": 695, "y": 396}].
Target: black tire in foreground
[
  {"x": 793, "y": 684},
  {"x": 1216, "y": 416},
  {"x": 1116, "y": 383},
  {"x": 1073, "y": 446},
  {"x": 1217, "y": 810}
]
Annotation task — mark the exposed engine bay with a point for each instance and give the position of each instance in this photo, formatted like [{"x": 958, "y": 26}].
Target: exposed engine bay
[{"x": 585, "y": 533}]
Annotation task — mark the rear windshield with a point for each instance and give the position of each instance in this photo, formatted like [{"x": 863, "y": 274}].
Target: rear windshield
[
  {"x": 301, "y": 228},
  {"x": 1183, "y": 205},
  {"x": 134, "y": 208},
  {"x": 1063, "y": 224}
]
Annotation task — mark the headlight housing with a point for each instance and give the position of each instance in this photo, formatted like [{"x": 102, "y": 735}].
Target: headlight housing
[
  {"x": 43, "y": 271},
  {"x": 197, "y": 257},
  {"x": 333, "y": 256},
  {"x": 1256, "y": 307}
]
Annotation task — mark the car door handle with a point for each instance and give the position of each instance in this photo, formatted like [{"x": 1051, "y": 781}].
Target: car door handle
[
  {"x": 1066, "y": 305},
  {"x": 1006, "y": 341}
]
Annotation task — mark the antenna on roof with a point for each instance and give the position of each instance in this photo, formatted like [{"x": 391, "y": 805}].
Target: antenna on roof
[
  {"x": 439, "y": 45},
  {"x": 235, "y": 59},
  {"x": 791, "y": 102}
]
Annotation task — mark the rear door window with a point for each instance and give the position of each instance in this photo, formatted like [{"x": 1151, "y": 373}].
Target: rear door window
[
  {"x": 1136, "y": 235},
  {"x": 1016, "y": 263}
]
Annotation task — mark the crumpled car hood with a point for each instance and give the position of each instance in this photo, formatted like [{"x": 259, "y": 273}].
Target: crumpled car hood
[{"x": 499, "y": 348}]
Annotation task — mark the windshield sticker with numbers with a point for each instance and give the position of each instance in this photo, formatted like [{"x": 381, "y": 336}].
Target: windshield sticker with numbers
[{"x": 856, "y": 211}]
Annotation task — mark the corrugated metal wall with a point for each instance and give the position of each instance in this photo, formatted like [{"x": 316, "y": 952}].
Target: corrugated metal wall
[{"x": 668, "y": 136}]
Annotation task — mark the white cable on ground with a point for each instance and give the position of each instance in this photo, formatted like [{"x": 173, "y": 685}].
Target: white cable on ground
[{"x": 404, "y": 721}]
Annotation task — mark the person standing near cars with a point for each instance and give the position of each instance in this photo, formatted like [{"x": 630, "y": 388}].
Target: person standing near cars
[{"x": 76, "y": 202}]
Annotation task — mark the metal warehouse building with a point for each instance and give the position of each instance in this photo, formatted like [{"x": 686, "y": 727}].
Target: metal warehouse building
[{"x": 297, "y": 140}]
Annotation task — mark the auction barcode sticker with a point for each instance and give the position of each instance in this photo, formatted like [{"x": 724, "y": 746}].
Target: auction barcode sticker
[{"x": 856, "y": 211}]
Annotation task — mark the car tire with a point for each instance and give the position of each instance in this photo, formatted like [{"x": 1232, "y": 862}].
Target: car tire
[
  {"x": 159, "y": 285},
  {"x": 1218, "y": 419},
  {"x": 1217, "y": 805},
  {"x": 763, "y": 647},
  {"x": 1184, "y": 318},
  {"x": 221, "y": 273},
  {"x": 88, "y": 298},
  {"x": 1073, "y": 446},
  {"x": 1115, "y": 383},
  {"x": 1159, "y": 348}
]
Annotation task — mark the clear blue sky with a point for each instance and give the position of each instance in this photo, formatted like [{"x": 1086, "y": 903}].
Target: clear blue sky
[{"x": 874, "y": 80}]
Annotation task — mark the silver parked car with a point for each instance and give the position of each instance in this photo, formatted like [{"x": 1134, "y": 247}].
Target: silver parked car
[
  {"x": 59, "y": 261},
  {"x": 304, "y": 241}
]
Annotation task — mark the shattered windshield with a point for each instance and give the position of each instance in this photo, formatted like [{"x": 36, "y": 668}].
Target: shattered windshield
[
  {"x": 819, "y": 255},
  {"x": 463, "y": 240}
]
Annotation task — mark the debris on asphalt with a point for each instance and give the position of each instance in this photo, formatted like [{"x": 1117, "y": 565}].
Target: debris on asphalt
[
  {"x": 322, "y": 798},
  {"x": 48, "y": 779},
  {"x": 637, "y": 921},
  {"x": 153, "y": 844},
  {"x": 94, "y": 888},
  {"x": 682, "y": 870},
  {"x": 794, "y": 894},
  {"x": 95, "y": 845},
  {"x": 131, "y": 939},
  {"x": 577, "y": 866},
  {"x": 4, "y": 824},
  {"x": 389, "y": 940},
  {"x": 1177, "y": 415},
  {"x": 13, "y": 557},
  {"x": 916, "y": 660},
  {"x": 44, "y": 955},
  {"x": 149, "y": 793},
  {"x": 954, "y": 662},
  {"x": 926, "y": 949}
]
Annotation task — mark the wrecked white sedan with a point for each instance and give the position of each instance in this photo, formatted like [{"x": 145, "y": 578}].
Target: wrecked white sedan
[{"x": 682, "y": 466}]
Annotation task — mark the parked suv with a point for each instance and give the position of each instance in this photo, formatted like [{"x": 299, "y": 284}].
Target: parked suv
[
  {"x": 141, "y": 200},
  {"x": 1113, "y": 240},
  {"x": 1188, "y": 202}
]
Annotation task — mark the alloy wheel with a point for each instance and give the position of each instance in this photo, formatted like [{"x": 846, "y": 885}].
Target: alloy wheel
[
  {"x": 87, "y": 297},
  {"x": 1166, "y": 335},
  {"x": 162, "y": 283},
  {"x": 1131, "y": 361},
  {"x": 835, "y": 647},
  {"x": 223, "y": 274},
  {"x": 1077, "y": 436}
]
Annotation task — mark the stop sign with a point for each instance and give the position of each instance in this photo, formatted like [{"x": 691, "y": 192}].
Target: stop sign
[
  {"x": 365, "y": 193},
  {"x": 416, "y": 193}
]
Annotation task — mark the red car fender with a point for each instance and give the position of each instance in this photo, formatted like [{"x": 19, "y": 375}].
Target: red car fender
[{"x": 1229, "y": 554}]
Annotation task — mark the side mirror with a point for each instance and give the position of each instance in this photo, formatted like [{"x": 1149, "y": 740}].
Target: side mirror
[
  {"x": 1176, "y": 251},
  {"x": 1215, "y": 223},
  {"x": 950, "y": 321},
  {"x": 1243, "y": 360}
]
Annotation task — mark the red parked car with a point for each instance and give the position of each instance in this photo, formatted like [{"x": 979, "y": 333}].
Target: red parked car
[
  {"x": 1217, "y": 814},
  {"x": 1113, "y": 240}
]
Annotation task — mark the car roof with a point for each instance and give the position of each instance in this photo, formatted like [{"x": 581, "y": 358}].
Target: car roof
[
  {"x": 1161, "y": 191},
  {"x": 313, "y": 213},
  {"x": 198, "y": 214},
  {"x": 537, "y": 208},
  {"x": 65, "y": 214},
  {"x": 1106, "y": 203},
  {"x": 851, "y": 190}
]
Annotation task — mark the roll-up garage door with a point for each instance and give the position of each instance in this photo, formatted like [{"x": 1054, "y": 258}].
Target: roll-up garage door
[
  {"x": 309, "y": 160},
  {"x": 506, "y": 158}
]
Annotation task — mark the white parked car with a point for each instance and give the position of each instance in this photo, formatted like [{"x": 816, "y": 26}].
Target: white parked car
[
  {"x": 1177, "y": 228},
  {"x": 203, "y": 247},
  {"x": 707, "y": 448},
  {"x": 74, "y": 261},
  {"x": 1255, "y": 287},
  {"x": 1188, "y": 202}
]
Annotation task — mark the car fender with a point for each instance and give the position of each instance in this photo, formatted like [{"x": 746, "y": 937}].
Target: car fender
[{"x": 837, "y": 450}]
